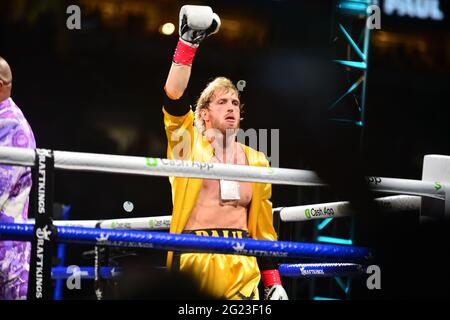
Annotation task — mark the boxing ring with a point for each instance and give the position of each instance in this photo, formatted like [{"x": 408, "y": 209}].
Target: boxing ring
[{"x": 323, "y": 260}]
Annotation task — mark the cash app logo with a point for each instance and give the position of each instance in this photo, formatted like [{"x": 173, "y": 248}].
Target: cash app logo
[
  {"x": 151, "y": 162},
  {"x": 308, "y": 213}
]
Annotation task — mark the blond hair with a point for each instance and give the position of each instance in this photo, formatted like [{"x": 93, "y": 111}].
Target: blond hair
[{"x": 218, "y": 84}]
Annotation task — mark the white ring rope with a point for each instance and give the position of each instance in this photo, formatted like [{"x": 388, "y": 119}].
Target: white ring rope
[
  {"x": 287, "y": 214},
  {"x": 147, "y": 223},
  {"x": 344, "y": 209},
  {"x": 78, "y": 161}
]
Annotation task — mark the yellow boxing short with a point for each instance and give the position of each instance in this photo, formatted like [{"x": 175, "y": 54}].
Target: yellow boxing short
[{"x": 224, "y": 276}]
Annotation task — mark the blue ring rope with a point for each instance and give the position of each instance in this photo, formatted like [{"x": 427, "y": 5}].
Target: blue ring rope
[
  {"x": 309, "y": 270},
  {"x": 194, "y": 243},
  {"x": 298, "y": 270}
]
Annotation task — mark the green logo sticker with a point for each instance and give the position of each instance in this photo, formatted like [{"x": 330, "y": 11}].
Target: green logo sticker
[
  {"x": 151, "y": 162},
  {"x": 308, "y": 214},
  {"x": 437, "y": 185},
  {"x": 151, "y": 223}
]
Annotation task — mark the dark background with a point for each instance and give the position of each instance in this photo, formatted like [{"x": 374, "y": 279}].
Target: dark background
[{"x": 98, "y": 90}]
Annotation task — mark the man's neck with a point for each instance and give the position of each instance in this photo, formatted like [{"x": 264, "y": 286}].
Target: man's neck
[
  {"x": 224, "y": 147},
  {"x": 3, "y": 97}
]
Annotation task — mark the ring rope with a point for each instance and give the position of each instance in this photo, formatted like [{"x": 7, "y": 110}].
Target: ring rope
[
  {"x": 287, "y": 214},
  {"x": 78, "y": 161},
  {"x": 297, "y": 270},
  {"x": 308, "y": 270},
  {"x": 145, "y": 223},
  {"x": 191, "y": 243},
  {"x": 343, "y": 208}
]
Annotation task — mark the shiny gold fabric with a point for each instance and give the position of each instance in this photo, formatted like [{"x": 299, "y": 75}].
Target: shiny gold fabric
[{"x": 223, "y": 276}]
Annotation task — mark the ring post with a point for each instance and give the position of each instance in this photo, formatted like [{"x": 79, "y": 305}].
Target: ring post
[{"x": 44, "y": 232}]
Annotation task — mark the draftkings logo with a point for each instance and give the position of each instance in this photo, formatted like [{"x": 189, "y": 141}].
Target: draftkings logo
[{"x": 42, "y": 235}]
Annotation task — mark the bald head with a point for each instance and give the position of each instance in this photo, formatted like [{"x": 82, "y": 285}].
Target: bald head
[
  {"x": 5, "y": 79},
  {"x": 5, "y": 71}
]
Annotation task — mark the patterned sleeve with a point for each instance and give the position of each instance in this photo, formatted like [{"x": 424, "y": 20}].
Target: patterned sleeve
[{"x": 8, "y": 174}]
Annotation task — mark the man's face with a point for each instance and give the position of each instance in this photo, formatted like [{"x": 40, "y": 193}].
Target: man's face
[
  {"x": 224, "y": 112},
  {"x": 5, "y": 89}
]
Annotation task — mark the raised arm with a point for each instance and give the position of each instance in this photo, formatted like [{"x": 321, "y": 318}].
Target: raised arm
[
  {"x": 196, "y": 23},
  {"x": 177, "y": 80}
]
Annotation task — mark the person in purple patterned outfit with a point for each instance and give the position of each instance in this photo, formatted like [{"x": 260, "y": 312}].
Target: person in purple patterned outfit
[{"x": 15, "y": 185}]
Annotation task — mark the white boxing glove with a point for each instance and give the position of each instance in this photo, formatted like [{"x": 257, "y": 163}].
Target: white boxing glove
[
  {"x": 275, "y": 292},
  {"x": 196, "y": 23}
]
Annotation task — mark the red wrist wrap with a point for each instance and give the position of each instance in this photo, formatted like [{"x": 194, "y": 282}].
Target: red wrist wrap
[
  {"x": 184, "y": 54},
  {"x": 270, "y": 277}
]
